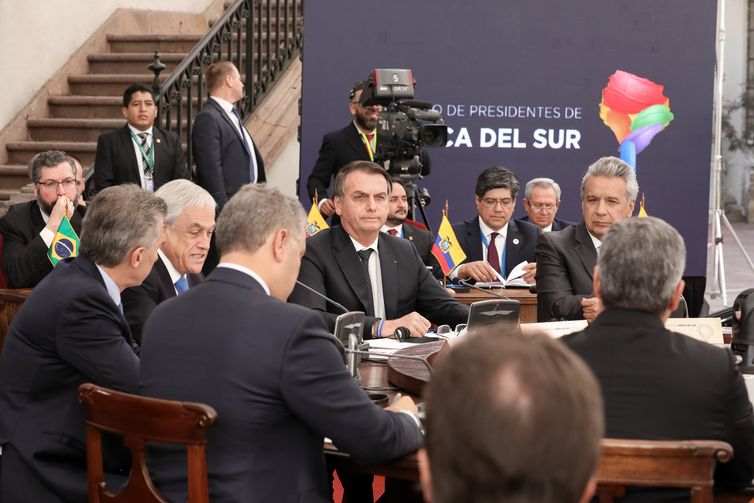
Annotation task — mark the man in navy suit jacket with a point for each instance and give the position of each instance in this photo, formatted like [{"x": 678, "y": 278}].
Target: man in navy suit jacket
[
  {"x": 225, "y": 154},
  {"x": 70, "y": 331},
  {"x": 139, "y": 152},
  {"x": 29, "y": 228},
  {"x": 494, "y": 231},
  {"x": 270, "y": 369},
  {"x": 541, "y": 202},
  {"x": 190, "y": 224}
]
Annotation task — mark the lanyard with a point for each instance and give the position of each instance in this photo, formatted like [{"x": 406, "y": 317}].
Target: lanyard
[
  {"x": 368, "y": 144},
  {"x": 148, "y": 160}
]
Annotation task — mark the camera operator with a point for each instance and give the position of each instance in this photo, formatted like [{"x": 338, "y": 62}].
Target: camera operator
[{"x": 357, "y": 141}]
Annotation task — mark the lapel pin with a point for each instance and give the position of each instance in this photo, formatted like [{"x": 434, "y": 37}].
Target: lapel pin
[
  {"x": 157, "y": 140},
  {"x": 515, "y": 241},
  {"x": 411, "y": 238}
]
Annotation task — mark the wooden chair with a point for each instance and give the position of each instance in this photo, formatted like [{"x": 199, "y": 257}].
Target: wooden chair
[
  {"x": 140, "y": 420},
  {"x": 659, "y": 463}
]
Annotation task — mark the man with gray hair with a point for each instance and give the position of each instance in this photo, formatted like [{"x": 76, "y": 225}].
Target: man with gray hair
[
  {"x": 28, "y": 228},
  {"x": 658, "y": 384},
  {"x": 190, "y": 224},
  {"x": 270, "y": 369},
  {"x": 566, "y": 259},
  {"x": 71, "y": 330},
  {"x": 541, "y": 202}
]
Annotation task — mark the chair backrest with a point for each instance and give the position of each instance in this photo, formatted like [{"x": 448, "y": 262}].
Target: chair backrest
[
  {"x": 140, "y": 420},
  {"x": 660, "y": 463}
]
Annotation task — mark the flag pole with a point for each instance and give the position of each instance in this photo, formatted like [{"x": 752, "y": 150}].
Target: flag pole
[{"x": 445, "y": 214}]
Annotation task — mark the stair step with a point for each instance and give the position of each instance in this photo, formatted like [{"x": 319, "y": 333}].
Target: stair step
[
  {"x": 108, "y": 84},
  {"x": 14, "y": 176},
  {"x": 76, "y": 130},
  {"x": 131, "y": 62},
  {"x": 151, "y": 43},
  {"x": 83, "y": 107},
  {"x": 21, "y": 152}
]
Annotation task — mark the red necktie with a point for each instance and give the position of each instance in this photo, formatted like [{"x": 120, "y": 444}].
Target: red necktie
[
  {"x": 392, "y": 232},
  {"x": 493, "y": 258},
  {"x": 369, "y": 137}
]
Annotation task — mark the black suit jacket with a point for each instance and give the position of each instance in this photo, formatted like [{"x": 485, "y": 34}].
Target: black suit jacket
[
  {"x": 557, "y": 224},
  {"x": 565, "y": 267},
  {"x": 658, "y": 384},
  {"x": 221, "y": 155},
  {"x": 25, "y": 260},
  {"x": 331, "y": 266},
  {"x": 519, "y": 242},
  {"x": 283, "y": 388},
  {"x": 423, "y": 241},
  {"x": 115, "y": 162},
  {"x": 140, "y": 301},
  {"x": 67, "y": 332},
  {"x": 338, "y": 149}
]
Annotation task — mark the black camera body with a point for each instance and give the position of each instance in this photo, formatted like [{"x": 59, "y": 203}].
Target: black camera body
[{"x": 405, "y": 126}]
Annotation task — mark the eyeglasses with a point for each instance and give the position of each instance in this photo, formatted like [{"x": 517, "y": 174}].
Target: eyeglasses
[
  {"x": 491, "y": 202},
  {"x": 50, "y": 185},
  {"x": 542, "y": 207}
]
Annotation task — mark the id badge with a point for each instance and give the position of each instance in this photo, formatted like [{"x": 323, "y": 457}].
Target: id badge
[{"x": 148, "y": 183}]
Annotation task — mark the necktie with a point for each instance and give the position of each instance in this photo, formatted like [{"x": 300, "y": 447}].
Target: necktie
[
  {"x": 493, "y": 257},
  {"x": 370, "y": 136},
  {"x": 146, "y": 149},
  {"x": 181, "y": 285},
  {"x": 364, "y": 258},
  {"x": 392, "y": 232},
  {"x": 249, "y": 148}
]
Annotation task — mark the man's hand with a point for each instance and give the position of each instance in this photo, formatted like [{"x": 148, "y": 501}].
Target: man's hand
[
  {"x": 531, "y": 271},
  {"x": 416, "y": 323},
  {"x": 63, "y": 207},
  {"x": 327, "y": 207},
  {"x": 592, "y": 307},
  {"x": 403, "y": 403},
  {"x": 478, "y": 271}
]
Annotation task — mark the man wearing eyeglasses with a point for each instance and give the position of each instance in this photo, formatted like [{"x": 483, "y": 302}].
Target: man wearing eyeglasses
[
  {"x": 541, "y": 202},
  {"x": 28, "y": 228},
  {"x": 493, "y": 242}
]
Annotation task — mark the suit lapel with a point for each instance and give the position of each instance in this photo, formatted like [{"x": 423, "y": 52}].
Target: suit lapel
[
  {"x": 350, "y": 264},
  {"x": 356, "y": 143},
  {"x": 127, "y": 146},
  {"x": 585, "y": 249},
  {"x": 166, "y": 284},
  {"x": 474, "y": 240},
  {"x": 512, "y": 244},
  {"x": 158, "y": 149},
  {"x": 230, "y": 123},
  {"x": 389, "y": 272}
]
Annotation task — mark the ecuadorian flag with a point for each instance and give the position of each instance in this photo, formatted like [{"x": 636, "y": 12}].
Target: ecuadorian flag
[
  {"x": 446, "y": 249},
  {"x": 315, "y": 222},
  {"x": 65, "y": 243}
]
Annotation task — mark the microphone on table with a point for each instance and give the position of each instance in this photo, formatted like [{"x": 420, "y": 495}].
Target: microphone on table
[
  {"x": 504, "y": 311},
  {"x": 323, "y": 296}
]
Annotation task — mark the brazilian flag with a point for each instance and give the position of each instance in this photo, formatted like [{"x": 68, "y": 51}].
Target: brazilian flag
[{"x": 65, "y": 243}]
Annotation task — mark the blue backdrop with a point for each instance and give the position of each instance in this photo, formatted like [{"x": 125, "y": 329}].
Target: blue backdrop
[{"x": 517, "y": 80}]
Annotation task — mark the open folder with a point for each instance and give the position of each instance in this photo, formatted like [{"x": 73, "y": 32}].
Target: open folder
[{"x": 514, "y": 280}]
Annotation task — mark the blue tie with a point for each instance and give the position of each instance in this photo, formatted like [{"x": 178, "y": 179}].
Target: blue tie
[
  {"x": 181, "y": 286},
  {"x": 249, "y": 148}
]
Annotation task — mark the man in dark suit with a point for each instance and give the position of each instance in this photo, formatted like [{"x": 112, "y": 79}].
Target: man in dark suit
[
  {"x": 566, "y": 259},
  {"x": 521, "y": 390},
  {"x": 225, "y": 154},
  {"x": 396, "y": 224},
  {"x": 658, "y": 384},
  {"x": 29, "y": 228},
  {"x": 68, "y": 332},
  {"x": 355, "y": 142},
  {"x": 390, "y": 283},
  {"x": 493, "y": 242},
  {"x": 139, "y": 152},
  {"x": 541, "y": 203},
  {"x": 283, "y": 383},
  {"x": 190, "y": 224}
]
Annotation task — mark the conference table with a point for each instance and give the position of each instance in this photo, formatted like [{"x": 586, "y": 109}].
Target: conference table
[
  {"x": 410, "y": 377},
  {"x": 528, "y": 300}
]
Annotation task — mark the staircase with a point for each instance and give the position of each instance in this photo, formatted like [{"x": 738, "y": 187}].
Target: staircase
[{"x": 93, "y": 103}]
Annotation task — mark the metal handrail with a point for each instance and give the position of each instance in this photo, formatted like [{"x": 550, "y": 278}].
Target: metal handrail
[{"x": 232, "y": 38}]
